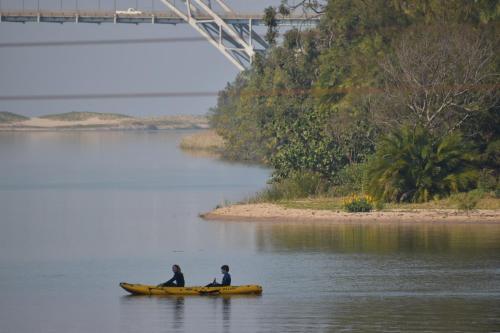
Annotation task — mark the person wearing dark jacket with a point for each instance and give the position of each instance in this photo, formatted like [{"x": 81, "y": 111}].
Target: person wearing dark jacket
[
  {"x": 177, "y": 280},
  {"x": 226, "y": 278}
]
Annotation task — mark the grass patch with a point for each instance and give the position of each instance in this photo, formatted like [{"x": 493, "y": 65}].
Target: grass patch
[
  {"x": 205, "y": 140},
  {"x": 333, "y": 204},
  {"x": 488, "y": 201},
  {"x": 297, "y": 186}
]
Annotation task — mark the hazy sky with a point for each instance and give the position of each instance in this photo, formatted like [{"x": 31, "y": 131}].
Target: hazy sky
[{"x": 129, "y": 68}]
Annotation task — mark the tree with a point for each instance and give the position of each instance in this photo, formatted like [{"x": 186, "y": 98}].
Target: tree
[
  {"x": 411, "y": 165},
  {"x": 272, "y": 25},
  {"x": 439, "y": 77},
  {"x": 315, "y": 6},
  {"x": 235, "y": 119}
]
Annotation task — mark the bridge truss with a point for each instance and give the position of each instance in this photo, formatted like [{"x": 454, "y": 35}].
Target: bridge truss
[
  {"x": 236, "y": 41},
  {"x": 233, "y": 34}
]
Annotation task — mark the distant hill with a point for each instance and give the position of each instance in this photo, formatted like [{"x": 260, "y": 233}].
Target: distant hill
[
  {"x": 80, "y": 116},
  {"x": 9, "y": 117}
]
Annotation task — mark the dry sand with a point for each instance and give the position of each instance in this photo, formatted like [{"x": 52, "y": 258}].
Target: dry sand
[
  {"x": 272, "y": 212},
  {"x": 53, "y": 123},
  {"x": 98, "y": 123}
]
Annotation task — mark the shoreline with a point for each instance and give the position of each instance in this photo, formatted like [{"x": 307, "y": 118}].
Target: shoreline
[
  {"x": 274, "y": 213},
  {"x": 104, "y": 122},
  {"x": 96, "y": 129}
]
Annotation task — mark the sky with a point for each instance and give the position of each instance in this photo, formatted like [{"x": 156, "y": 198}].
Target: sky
[{"x": 128, "y": 68}]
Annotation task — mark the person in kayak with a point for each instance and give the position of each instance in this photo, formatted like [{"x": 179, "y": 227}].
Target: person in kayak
[
  {"x": 177, "y": 280},
  {"x": 226, "y": 278}
]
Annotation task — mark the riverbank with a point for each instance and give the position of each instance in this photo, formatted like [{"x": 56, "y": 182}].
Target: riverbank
[{"x": 287, "y": 212}]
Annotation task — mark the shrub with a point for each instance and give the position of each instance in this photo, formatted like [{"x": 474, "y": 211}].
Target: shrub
[
  {"x": 468, "y": 201},
  {"x": 487, "y": 180},
  {"x": 300, "y": 185},
  {"x": 350, "y": 179},
  {"x": 379, "y": 205},
  {"x": 358, "y": 204},
  {"x": 414, "y": 166}
]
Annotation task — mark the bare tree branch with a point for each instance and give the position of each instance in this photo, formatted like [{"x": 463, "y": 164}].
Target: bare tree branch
[
  {"x": 316, "y": 6},
  {"x": 438, "y": 77}
]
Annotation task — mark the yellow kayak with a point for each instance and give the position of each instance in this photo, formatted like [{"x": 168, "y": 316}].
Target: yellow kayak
[{"x": 141, "y": 289}]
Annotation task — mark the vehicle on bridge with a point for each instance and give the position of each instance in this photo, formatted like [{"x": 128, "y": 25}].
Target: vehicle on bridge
[{"x": 130, "y": 11}]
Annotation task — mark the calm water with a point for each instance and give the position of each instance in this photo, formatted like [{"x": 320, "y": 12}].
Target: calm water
[{"x": 80, "y": 212}]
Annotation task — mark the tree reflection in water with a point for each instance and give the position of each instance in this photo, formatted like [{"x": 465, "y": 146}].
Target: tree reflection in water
[{"x": 379, "y": 238}]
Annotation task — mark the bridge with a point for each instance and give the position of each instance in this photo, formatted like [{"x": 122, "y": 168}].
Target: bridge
[{"x": 232, "y": 33}]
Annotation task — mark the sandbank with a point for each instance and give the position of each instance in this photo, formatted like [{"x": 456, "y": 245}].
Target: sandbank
[{"x": 276, "y": 213}]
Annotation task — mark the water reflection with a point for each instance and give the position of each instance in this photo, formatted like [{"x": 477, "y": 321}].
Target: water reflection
[
  {"x": 201, "y": 153},
  {"x": 413, "y": 315},
  {"x": 379, "y": 238},
  {"x": 178, "y": 312},
  {"x": 382, "y": 314},
  {"x": 222, "y": 308},
  {"x": 226, "y": 313},
  {"x": 189, "y": 314},
  {"x": 139, "y": 312}
]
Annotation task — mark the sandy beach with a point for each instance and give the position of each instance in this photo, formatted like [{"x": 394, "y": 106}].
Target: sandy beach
[
  {"x": 54, "y": 123},
  {"x": 273, "y": 212},
  {"x": 106, "y": 123}
]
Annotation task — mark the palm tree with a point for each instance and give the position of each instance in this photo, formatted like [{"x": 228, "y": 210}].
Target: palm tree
[{"x": 412, "y": 165}]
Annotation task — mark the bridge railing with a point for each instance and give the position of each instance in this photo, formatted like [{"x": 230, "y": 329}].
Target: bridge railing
[
  {"x": 160, "y": 13},
  {"x": 159, "y": 17}
]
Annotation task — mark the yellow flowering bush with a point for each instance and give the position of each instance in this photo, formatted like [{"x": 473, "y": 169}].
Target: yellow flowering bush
[{"x": 358, "y": 203}]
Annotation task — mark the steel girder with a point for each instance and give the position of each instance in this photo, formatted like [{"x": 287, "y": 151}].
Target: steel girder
[{"x": 236, "y": 41}]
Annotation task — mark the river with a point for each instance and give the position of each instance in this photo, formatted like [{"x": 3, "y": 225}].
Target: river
[{"x": 82, "y": 211}]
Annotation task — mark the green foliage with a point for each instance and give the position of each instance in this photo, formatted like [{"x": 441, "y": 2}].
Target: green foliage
[
  {"x": 318, "y": 103},
  {"x": 240, "y": 128},
  {"x": 302, "y": 145},
  {"x": 379, "y": 205},
  {"x": 487, "y": 180},
  {"x": 299, "y": 185},
  {"x": 350, "y": 179},
  {"x": 410, "y": 165},
  {"x": 272, "y": 25},
  {"x": 468, "y": 201},
  {"x": 491, "y": 157},
  {"x": 358, "y": 204}
]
